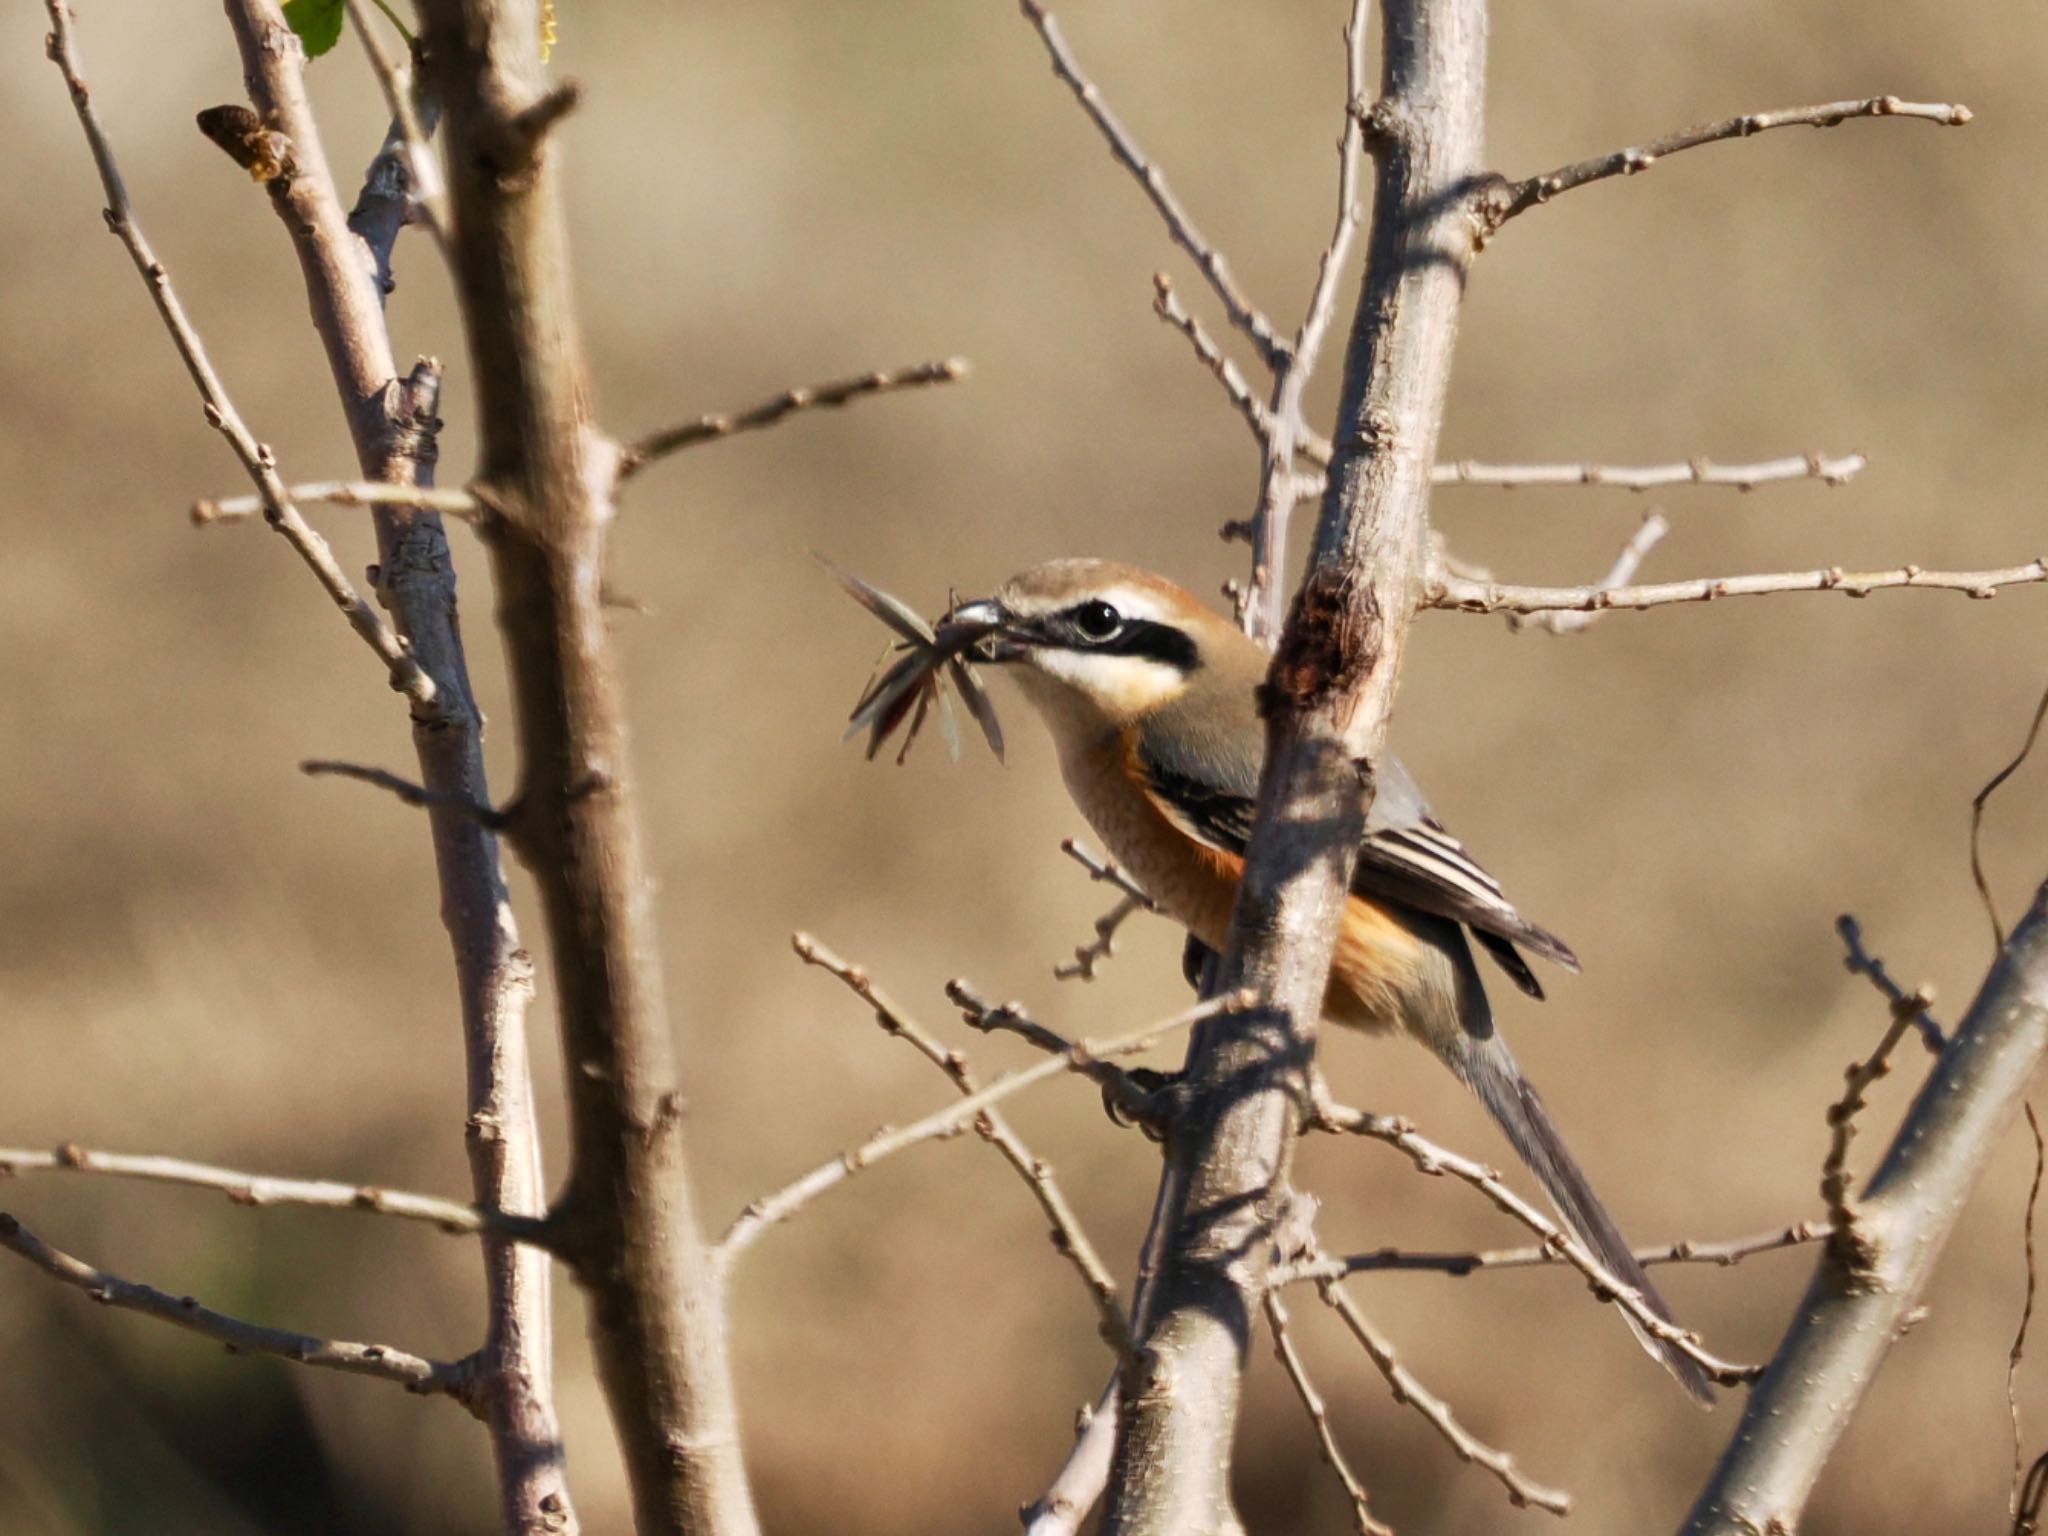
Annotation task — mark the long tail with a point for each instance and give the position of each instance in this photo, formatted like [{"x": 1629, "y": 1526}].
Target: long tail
[{"x": 1489, "y": 1070}]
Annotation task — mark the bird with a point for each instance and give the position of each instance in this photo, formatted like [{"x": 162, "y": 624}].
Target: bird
[{"x": 1151, "y": 700}]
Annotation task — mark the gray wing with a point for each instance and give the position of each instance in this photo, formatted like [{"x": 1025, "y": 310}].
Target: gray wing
[{"x": 1406, "y": 856}]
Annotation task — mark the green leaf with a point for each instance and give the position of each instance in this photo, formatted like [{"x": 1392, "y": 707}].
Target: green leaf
[{"x": 317, "y": 22}]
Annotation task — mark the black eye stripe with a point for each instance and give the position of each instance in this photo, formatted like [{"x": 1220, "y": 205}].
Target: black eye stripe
[{"x": 1153, "y": 641}]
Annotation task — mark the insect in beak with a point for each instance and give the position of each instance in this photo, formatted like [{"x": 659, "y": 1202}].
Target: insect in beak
[{"x": 917, "y": 679}]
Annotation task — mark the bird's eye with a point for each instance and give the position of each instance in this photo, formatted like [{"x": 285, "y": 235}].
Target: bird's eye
[{"x": 1096, "y": 620}]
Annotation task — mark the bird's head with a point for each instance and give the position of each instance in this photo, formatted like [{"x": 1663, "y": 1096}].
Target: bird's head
[{"x": 1096, "y": 645}]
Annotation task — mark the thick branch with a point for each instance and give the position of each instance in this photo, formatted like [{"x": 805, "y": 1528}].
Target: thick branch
[
  {"x": 393, "y": 422},
  {"x": 447, "y": 1378},
  {"x": 1507, "y": 199},
  {"x": 1327, "y": 707},
  {"x": 1849, "y": 1317},
  {"x": 657, "y": 1318}
]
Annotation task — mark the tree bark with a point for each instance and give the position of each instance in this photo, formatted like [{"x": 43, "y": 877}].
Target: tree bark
[
  {"x": 392, "y": 422},
  {"x": 1865, "y": 1293},
  {"x": 1326, "y": 703},
  {"x": 625, "y": 1222}
]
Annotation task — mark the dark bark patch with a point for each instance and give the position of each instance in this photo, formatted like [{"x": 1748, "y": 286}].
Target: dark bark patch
[{"x": 1330, "y": 644}]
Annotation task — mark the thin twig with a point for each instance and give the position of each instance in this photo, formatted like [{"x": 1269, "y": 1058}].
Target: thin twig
[
  {"x": 1083, "y": 1057},
  {"x": 1069, "y": 1238},
  {"x": 1107, "y": 872},
  {"x": 1977, "y": 803},
  {"x": 1521, "y": 1489},
  {"x": 1845, "y": 1240},
  {"x": 1649, "y": 477},
  {"x": 414, "y": 1373},
  {"x": 1859, "y": 961},
  {"x": 1647, "y": 536},
  {"x": 412, "y": 794},
  {"x": 1727, "y": 1252},
  {"x": 1314, "y": 449},
  {"x": 255, "y": 1189},
  {"x": 1319, "y": 1417},
  {"x": 1280, "y": 487},
  {"x": 636, "y": 456},
  {"x": 1511, "y": 198},
  {"x": 407, "y": 676},
  {"x": 1431, "y": 1158},
  {"x": 1120, "y": 1089},
  {"x": 1243, "y": 313},
  {"x": 1167, "y": 306},
  {"x": 1448, "y": 591},
  {"x": 1103, "y": 946},
  {"x": 345, "y": 493},
  {"x": 2019, "y": 1338}
]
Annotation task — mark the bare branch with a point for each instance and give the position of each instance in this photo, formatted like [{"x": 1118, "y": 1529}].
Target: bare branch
[
  {"x": 1068, "y": 1236},
  {"x": 1103, "y": 946},
  {"x": 256, "y": 1189},
  {"x": 412, "y": 794},
  {"x": 407, "y": 676},
  {"x": 1729, "y": 1251},
  {"x": 1280, "y": 487},
  {"x": 1649, "y": 477},
  {"x": 1507, "y": 199},
  {"x": 1318, "y": 1412},
  {"x": 1084, "y": 1057},
  {"x": 1846, "y": 1323},
  {"x": 345, "y": 493},
  {"x": 657, "y": 1319},
  {"x": 1243, "y": 313},
  {"x": 1861, "y": 962},
  {"x": 2014, "y": 1355},
  {"x": 1431, "y": 1158},
  {"x": 1522, "y": 1490},
  {"x": 1167, "y": 306},
  {"x": 1326, "y": 707},
  {"x": 1448, "y": 591},
  {"x": 1120, "y": 1090},
  {"x": 1314, "y": 449},
  {"x": 532, "y": 123},
  {"x": 1649, "y": 533},
  {"x": 1850, "y": 1244},
  {"x": 1107, "y": 871},
  {"x": 393, "y": 422},
  {"x": 1977, "y": 803},
  {"x": 415, "y": 1374},
  {"x": 423, "y": 192},
  {"x": 638, "y": 455}
]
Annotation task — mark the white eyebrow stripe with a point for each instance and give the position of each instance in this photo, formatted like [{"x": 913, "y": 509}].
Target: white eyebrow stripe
[{"x": 1132, "y": 602}]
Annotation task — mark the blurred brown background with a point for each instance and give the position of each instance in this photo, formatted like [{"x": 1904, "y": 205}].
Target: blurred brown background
[{"x": 201, "y": 952}]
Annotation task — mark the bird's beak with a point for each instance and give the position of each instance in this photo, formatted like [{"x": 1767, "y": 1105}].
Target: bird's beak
[{"x": 986, "y": 615}]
